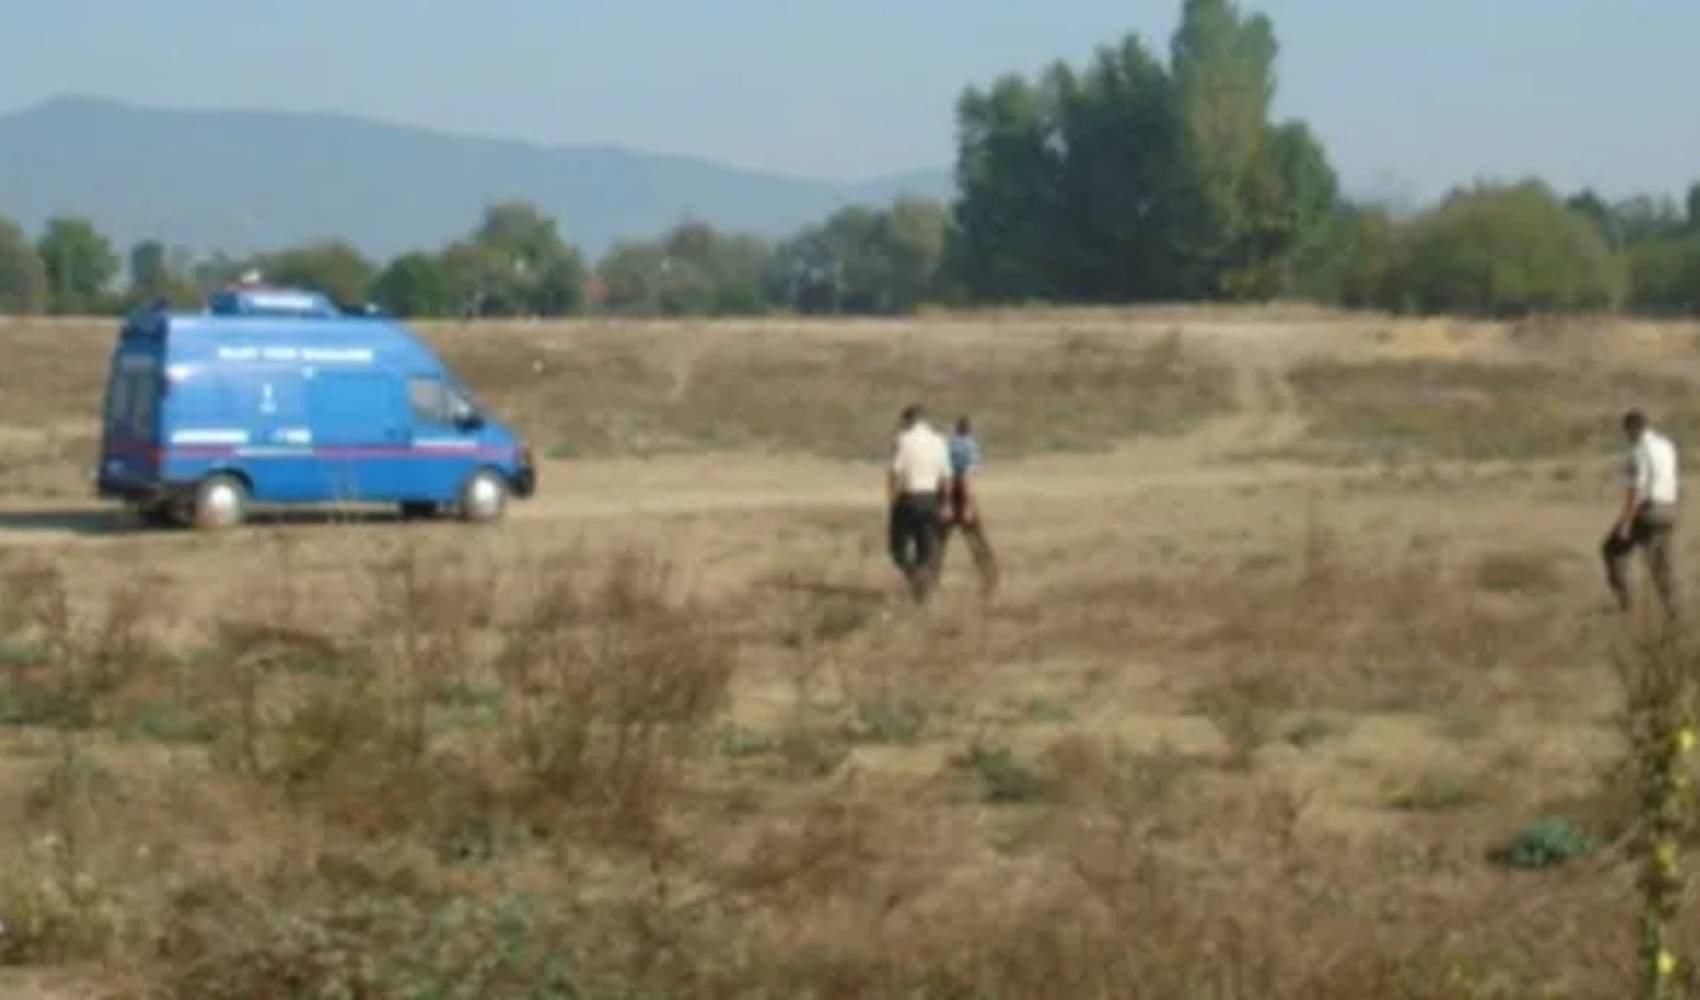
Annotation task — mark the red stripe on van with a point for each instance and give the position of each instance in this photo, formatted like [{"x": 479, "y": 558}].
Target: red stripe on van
[{"x": 487, "y": 453}]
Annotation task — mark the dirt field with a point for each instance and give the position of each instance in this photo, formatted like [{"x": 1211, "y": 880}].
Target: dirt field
[{"x": 1301, "y": 624}]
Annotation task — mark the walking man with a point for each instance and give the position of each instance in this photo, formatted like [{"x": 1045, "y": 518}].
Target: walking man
[
  {"x": 918, "y": 489},
  {"x": 1648, "y": 516}
]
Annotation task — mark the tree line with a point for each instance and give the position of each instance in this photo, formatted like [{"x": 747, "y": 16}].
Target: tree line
[
  {"x": 515, "y": 263},
  {"x": 1128, "y": 178}
]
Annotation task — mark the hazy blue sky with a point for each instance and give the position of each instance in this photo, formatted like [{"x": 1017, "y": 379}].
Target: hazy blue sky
[{"x": 1409, "y": 94}]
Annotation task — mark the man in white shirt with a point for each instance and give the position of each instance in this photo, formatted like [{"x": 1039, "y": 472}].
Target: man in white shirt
[
  {"x": 1648, "y": 516},
  {"x": 918, "y": 490}
]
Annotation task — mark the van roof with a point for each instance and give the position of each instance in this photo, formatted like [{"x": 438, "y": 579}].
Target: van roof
[
  {"x": 276, "y": 321},
  {"x": 262, "y": 300}
]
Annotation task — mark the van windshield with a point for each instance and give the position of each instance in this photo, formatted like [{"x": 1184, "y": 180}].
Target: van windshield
[
  {"x": 460, "y": 399},
  {"x": 461, "y": 405}
]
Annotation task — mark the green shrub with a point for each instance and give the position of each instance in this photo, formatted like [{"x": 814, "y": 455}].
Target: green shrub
[
  {"x": 1506, "y": 250},
  {"x": 1435, "y": 793},
  {"x": 170, "y": 721},
  {"x": 737, "y": 742},
  {"x": 1664, "y": 275},
  {"x": 15, "y": 652},
  {"x": 889, "y": 720},
  {"x": 1312, "y": 731},
  {"x": 1002, "y": 778},
  {"x": 371, "y": 945},
  {"x": 1548, "y": 842}
]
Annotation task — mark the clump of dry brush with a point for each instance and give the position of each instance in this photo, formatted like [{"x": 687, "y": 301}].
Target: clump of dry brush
[{"x": 409, "y": 736}]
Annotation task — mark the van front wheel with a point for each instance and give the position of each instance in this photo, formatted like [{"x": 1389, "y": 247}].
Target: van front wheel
[
  {"x": 484, "y": 497},
  {"x": 221, "y": 502}
]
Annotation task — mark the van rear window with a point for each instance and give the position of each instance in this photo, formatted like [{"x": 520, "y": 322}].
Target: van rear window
[
  {"x": 118, "y": 404},
  {"x": 133, "y": 402},
  {"x": 142, "y": 402}
]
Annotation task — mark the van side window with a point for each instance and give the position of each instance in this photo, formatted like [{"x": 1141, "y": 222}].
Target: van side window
[
  {"x": 435, "y": 402},
  {"x": 429, "y": 400}
]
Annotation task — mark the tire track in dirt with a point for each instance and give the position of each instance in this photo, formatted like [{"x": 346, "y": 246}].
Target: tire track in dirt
[
  {"x": 1268, "y": 416},
  {"x": 615, "y": 490},
  {"x": 1228, "y": 452}
]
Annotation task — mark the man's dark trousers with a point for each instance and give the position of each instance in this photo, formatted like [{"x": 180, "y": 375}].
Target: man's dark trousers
[
  {"x": 1651, "y": 530},
  {"x": 914, "y": 530}
]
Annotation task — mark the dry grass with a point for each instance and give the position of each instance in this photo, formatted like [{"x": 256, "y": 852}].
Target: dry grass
[
  {"x": 1520, "y": 572},
  {"x": 623, "y": 391},
  {"x": 586, "y": 833},
  {"x": 1477, "y": 409},
  {"x": 1207, "y": 742}
]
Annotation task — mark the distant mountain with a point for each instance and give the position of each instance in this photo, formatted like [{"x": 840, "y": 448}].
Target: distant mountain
[{"x": 241, "y": 181}]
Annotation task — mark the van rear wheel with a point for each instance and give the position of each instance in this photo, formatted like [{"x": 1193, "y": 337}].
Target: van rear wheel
[
  {"x": 221, "y": 502},
  {"x": 484, "y": 497}
]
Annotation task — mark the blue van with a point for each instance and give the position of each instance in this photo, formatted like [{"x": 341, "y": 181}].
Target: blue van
[{"x": 277, "y": 396}]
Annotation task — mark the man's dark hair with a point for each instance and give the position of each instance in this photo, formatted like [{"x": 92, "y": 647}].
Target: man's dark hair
[
  {"x": 963, "y": 425},
  {"x": 1634, "y": 421},
  {"x": 910, "y": 414}
]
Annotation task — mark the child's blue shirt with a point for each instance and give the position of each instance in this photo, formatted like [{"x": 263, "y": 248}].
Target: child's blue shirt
[{"x": 964, "y": 453}]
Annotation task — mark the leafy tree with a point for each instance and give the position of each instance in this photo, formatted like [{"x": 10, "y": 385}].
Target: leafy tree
[
  {"x": 1009, "y": 172},
  {"x": 855, "y": 246},
  {"x": 148, "y": 267},
  {"x": 80, "y": 265},
  {"x": 23, "y": 278},
  {"x": 519, "y": 230},
  {"x": 806, "y": 273},
  {"x": 333, "y": 268},
  {"x": 559, "y": 287},
  {"x": 1223, "y": 64},
  {"x": 1368, "y": 258},
  {"x": 159, "y": 274},
  {"x": 1644, "y": 218},
  {"x": 693, "y": 270},
  {"x": 414, "y": 285},
  {"x": 1591, "y": 206},
  {"x": 863, "y": 260},
  {"x": 216, "y": 271},
  {"x": 478, "y": 283},
  {"x": 1257, "y": 200},
  {"x": 633, "y": 277},
  {"x": 730, "y": 266},
  {"x": 1127, "y": 180},
  {"x": 1507, "y": 250},
  {"x": 1664, "y": 275},
  {"x": 914, "y": 234},
  {"x": 1117, "y": 130},
  {"x": 1664, "y": 262},
  {"x": 688, "y": 277},
  {"x": 515, "y": 264},
  {"x": 1304, "y": 231}
]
